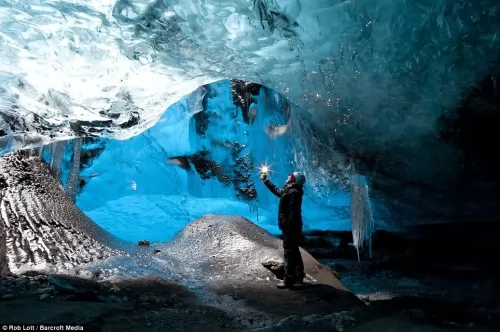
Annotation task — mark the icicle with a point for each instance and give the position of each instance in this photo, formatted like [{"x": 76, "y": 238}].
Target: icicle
[
  {"x": 361, "y": 214},
  {"x": 56, "y": 157},
  {"x": 74, "y": 173}
]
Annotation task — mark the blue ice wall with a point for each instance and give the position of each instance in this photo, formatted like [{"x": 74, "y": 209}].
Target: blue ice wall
[
  {"x": 60, "y": 156},
  {"x": 132, "y": 191}
]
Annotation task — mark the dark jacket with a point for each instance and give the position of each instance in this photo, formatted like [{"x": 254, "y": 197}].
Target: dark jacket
[{"x": 290, "y": 206}]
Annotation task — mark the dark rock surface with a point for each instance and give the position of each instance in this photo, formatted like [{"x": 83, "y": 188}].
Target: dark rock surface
[
  {"x": 395, "y": 303},
  {"x": 244, "y": 93},
  {"x": 448, "y": 248},
  {"x": 426, "y": 297}
]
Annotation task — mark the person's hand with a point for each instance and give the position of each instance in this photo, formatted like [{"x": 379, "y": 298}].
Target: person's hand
[{"x": 263, "y": 176}]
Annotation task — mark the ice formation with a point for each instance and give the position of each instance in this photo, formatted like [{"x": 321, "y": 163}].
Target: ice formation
[
  {"x": 135, "y": 190},
  {"x": 113, "y": 67},
  {"x": 361, "y": 215},
  {"x": 372, "y": 81}
]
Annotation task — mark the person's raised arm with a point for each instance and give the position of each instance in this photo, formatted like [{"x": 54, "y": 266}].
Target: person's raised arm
[{"x": 272, "y": 188}]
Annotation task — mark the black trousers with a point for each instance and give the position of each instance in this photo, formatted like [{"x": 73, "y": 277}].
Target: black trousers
[{"x": 294, "y": 267}]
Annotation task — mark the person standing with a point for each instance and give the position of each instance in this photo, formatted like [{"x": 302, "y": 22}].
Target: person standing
[{"x": 290, "y": 223}]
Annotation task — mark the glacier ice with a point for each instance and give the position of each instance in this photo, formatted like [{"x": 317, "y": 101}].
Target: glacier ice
[
  {"x": 74, "y": 173},
  {"x": 130, "y": 189},
  {"x": 133, "y": 192},
  {"x": 370, "y": 79},
  {"x": 112, "y": 67},
  {"x": 361, "y": 215},
  {"x": 64, "y": 159}
]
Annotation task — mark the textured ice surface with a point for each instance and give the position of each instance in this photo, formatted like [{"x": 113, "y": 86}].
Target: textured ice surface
[
  {"x": 41, "y": 228},
  {"x": 385, "y": 68},
  {"x": 373, "y": 77}
]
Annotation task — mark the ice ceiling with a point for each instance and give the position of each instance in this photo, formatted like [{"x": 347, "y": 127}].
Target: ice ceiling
[{"x": 376, "y": 78}]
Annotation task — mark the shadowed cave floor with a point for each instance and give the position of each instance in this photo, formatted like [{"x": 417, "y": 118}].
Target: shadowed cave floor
[{"x": 394, "y": 303}]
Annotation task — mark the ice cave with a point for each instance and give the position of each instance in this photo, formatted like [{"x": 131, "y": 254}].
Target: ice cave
[{"x": 133, "y": 134}]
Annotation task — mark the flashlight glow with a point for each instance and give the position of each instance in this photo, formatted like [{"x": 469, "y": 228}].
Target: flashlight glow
[{"x": 264, "y": 168}]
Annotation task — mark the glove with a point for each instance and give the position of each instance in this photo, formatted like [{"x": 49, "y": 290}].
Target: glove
[{"x": 263, "y": 177}]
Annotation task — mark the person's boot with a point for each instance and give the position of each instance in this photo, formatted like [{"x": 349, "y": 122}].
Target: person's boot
[
  {"x": 286, "y": 283},
  {"x": 300, "y": 278},
  {"x": 282, "y": 285}
]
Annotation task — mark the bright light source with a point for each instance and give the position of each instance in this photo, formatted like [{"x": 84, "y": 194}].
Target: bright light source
[{"x": 264, "y": 168}]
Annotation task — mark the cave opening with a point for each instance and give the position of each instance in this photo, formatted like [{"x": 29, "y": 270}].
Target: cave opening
[{"x": 202, "y": 156}]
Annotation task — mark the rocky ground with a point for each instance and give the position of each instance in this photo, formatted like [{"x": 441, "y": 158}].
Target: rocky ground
[
  {"x": 148, "y": 304},
  {"x": 393, "y": 302},
  {"x": 452, "y": 301}
]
